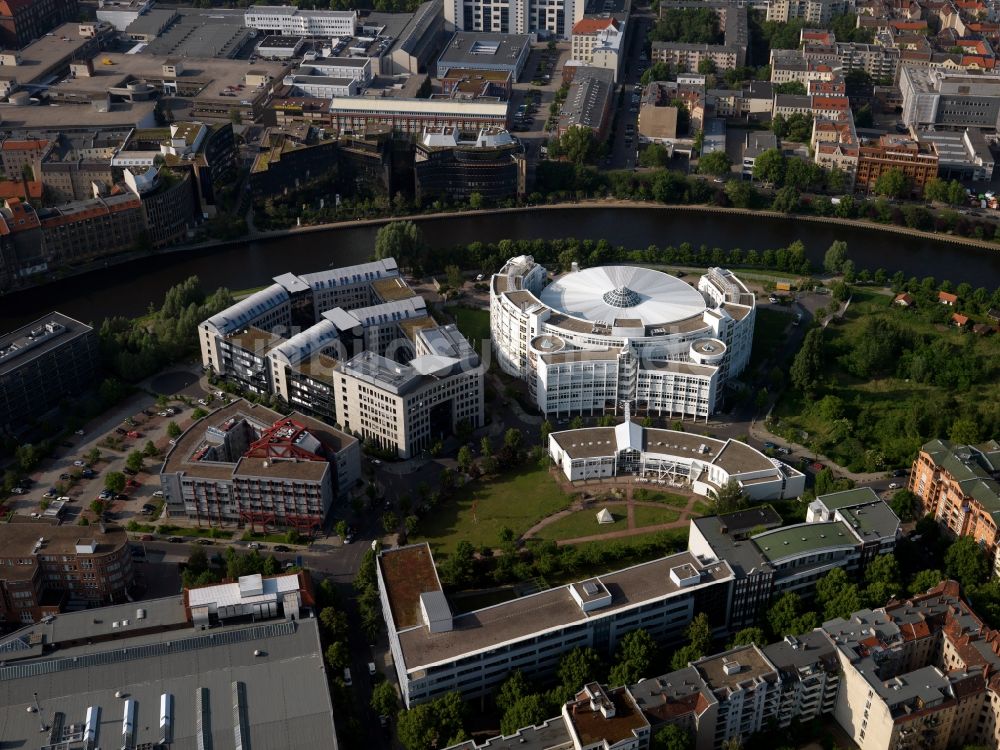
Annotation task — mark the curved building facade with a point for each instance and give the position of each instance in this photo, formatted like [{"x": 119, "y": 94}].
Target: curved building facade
[{"x": 596, "y": 339}]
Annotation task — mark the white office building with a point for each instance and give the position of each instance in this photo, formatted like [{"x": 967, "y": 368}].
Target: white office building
[
  {"x": 287, "y": 20},
  {"x": 544, "y": 17},
  {"x": 598, "y": 338}
]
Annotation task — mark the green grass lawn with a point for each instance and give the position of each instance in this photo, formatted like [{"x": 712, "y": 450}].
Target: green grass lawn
[
  {"x": 654, "y": 516},
  {"x": 583, "y": 523},
  {"x": 517, "y": 500},
  {"x": 667, "y": 498},
  {"x": 474, "y": 324}
]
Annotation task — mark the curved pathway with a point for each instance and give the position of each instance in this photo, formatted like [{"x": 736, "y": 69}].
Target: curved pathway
[{"x": 686, "y": 513}]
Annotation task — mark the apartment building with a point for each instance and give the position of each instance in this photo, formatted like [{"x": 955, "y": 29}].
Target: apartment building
[
  {"x": 598, "y": 43},
  {"x": 247, "y": 465},
  {"x": 354, "y": 115},
  {"x": 435, "y": 651},
  {"x": 601, "y": 336},
  {"x": 24, "y": 21},
  {"x": 878, "y": 61},
  {"x": 814, "y": 12},
  {"x": 45, "y": 567},
  {"x": 42, "y": 363},
  {"x": 836, "y": 146},
  {"x": 406, "y": 408},
  {"x": 287, "y": 20},
  {"x": 101, "y": 226},
  {"x": 543, "y": 17},
  {"x": 958, "y": 485},
  {"x": 915, "y": 159},
  {"x": 688, "y": 57},
  {"x": 671, "y": 457}
]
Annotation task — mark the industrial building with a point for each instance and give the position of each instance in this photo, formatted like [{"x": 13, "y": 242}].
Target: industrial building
[
  {"x": 234, "y": 663},
  {"x": 597, "y": 338}
]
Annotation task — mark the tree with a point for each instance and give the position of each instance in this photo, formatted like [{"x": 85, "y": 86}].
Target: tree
[
  {"x": 741, "y": 193},
  {"x": 706, "y": 66},
  {"x": 699, "y": 633},
  {"x": 716, "y": 163},
  {"x": 684, "y": 656},
  {"x": 635, "y": 656},
  {"x": 727, "y": 498},
  {"x": 788, "y": 617},
  {"x": 457, "y": 570},
  {"x": 924, "y": 580},
  {"x": 114, "y": 481},
  {"x": 654, "y": 155},
  {"x": 672, "y": 737},
  {"x": 27, "y": 457},
  {"x": 515, "y": 687},
  {"x": 902, "y": 504},
  {"x": 432, "y": 725},
  {"x": 402, "y": 240},
  {"x": 966, "y": 562},
  {"x": 785, "y": 200},
  {"x": 527, "y": 711},
  {"x": 334, "y": 622},
  {"x": 198, "y": 413},
  {"x": 837, "y": 595},
  {"x": 748, "y": 636},
  {"x": 464, "y": 459},
  {"x": 135, "y": 460},
  {"x": 384, "y": 700},
  {"x": 337, "y": 656},
  {"x": 835, "y": 256},
  {"x": 150, "y": 449},
  {"x": 964, "y": 431},
  {"x": 769, "y": 166},
  {"x": 796, "y": 88},
  {"x": 173, "y": 430},
  {"x": 576, "y": 669},
  {"x": 893, "y": 183},
  {"x": 807, "y": 367}
]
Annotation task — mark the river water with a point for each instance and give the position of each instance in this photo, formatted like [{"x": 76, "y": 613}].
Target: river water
[{"x": 128, "y": 289}]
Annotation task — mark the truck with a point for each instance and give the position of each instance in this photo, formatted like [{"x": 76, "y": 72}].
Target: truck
[{"x": 783, "y": 286}]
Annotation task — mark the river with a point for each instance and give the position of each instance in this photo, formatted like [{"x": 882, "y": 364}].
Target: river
[{"x": 128, "y": 289}]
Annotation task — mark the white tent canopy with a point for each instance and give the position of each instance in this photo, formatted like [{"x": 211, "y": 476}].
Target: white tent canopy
[{"x": 604, "y": 516}]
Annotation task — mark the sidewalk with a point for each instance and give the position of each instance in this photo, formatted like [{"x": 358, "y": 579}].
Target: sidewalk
[{"x": 760, "y": 432}]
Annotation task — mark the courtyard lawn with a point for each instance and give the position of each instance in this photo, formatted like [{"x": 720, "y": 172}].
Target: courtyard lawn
[
  {"x": 667, "y": 498},
  {"x": 583, "y": 523},
  {"x": 517, "y": 500},
  {"x": 473, "y": 323},
  {"x": 654, "y": 516}
]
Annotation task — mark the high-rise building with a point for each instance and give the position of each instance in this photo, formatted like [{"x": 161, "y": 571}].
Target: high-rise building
[
  {"x": 547, "y": 17},
  {"x": 23, "y": 21}
]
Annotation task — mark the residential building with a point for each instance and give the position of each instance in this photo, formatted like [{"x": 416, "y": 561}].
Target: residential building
[
  {"x": 814, "y": 12},
  {"x": 450, "y": 165},
  {"x": 45, "y": 567},
  {"x": 505, "y": 52},
  {"x": 82, "y": 230},
  {"x": 17, "y": 154},
  {"x": 406, "y": 408},
  {"x": 435, "y": 651},
  {"x": 949, "y": 100},
  {"x": 916, "y": 160},
  {"x": 542, "y": 17},
  {"x": 669, "y": 457},
  {"x": 757, "y": 142},
  {"x": 247, "y": 465},
  {"x": 41, "y": 364},
  {"x": 731, "y": 53},
  {"x": 23, "y": 21},
  {"x": 185, "y": 670},
  {"x": 287, "y": 20},
  {"x": 603, "y": 336},
  {"x": 878, "y": 61},
  {"x": 957, "y": 484},
  {"x": 589, "y": 102},
  {"x": 919, "y": 672},
  {"x": 597, "y": 42},
  {"x": 836, "y": 146}
]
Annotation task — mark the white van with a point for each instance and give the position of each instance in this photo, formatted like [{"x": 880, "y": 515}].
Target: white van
[{"x": 347, "y": 677}]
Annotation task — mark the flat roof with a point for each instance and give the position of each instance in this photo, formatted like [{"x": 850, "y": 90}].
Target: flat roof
[
  {"x": 18, "y": 538},
  {"x": 408, "y": 572},
  {"x": 219, "y": 681},
  {"x": 551, "y": 609},
  {"x": 39, "y": 337},
  {"x": 46, "y": 54},
  {"x": 593, "y": 727},
  {"x": 802, "y": 538},
  {"x": 728, "y": 670},
  {"x": 261, "y": 467},
  {"x": 197, "y": 32},
  {"x": 873, "y": 521},
  {"x": 848, "y": 498},
  {"x": 478, "y": 49}
]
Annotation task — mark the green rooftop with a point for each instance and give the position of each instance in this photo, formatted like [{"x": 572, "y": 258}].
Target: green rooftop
[
  {"x": 971, "y": 466},
  {"x": 872, "y": 521},
  {"x": 848, "y": 498},
  {"x": 804, "y": 537}
]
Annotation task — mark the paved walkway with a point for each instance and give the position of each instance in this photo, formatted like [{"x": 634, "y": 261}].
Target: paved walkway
[{"x": 630, "y": 503}]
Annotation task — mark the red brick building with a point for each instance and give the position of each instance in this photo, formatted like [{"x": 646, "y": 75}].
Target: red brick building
[
  {"x": 21, "y": 21},
  {"x": 918, "y": 161},
  {"x": 45, "y": 566}
]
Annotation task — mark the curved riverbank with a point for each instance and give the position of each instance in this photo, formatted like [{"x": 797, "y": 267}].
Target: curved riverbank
[{"x": 128, "y": 286}]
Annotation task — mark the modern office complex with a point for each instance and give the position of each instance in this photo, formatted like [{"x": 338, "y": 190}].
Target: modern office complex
[
  {"x": 406, "y": 408},
  {"x": 597, "y": 338},
  {"x": 505, "y": 52},
  {"x": 233, "y": 665},
  {"x": 287, "y": 20},
  {"x": 731, "y": 570},
  {"x": 949, "y": 100},
  {"x": 42, "y": 363},
  {"x": 918, "y": 673},
  {"x": 45, "y": 567},
  {"x": 354, "y": 346},
  {"x": 958, "y": 485},
  {"x": 674, "y": 458},
  {"x": 448, "y": 165},
  {"x": 248, "y": 465}
]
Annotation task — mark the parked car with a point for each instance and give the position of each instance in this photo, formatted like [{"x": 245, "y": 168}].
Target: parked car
[
  {"x": 281, "y": 548},
  {"x": 129, "y": 472},
  {"x": 163, "y": 414},
  {"x": 18, "y": 490},
  {"x": 79, "y": 432},
  {"x": 770, "y": 446},
  {"x": 816, "y": 466},
  {"x": 64, "y": 477},
  {"x": 347, "y": 677},
  {"x": 371, "y": 669},
  {"x": 88, "y": 473},
  {"x": 204, "y": 541},
  {"x": 158, "y": 493},
  {"x": 50, "y": 492},
  {"x": 893, "y": 485},
  {"x": 121, "y": 496},
  {"x": 146, "y": 538},
  {"x": 79, "y": 463},
  {"x": 253, "y": 545},
  {"x": 175, "y": 539}
]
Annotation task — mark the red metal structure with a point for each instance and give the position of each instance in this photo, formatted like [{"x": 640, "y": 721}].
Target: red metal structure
[{"x": 280, "y": 441}]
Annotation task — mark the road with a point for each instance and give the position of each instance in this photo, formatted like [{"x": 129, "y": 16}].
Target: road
[{"x": 624, "y": 144}]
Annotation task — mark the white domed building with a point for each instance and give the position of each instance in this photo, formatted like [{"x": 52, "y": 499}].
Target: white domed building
[{"x": 597, "y": 338}]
